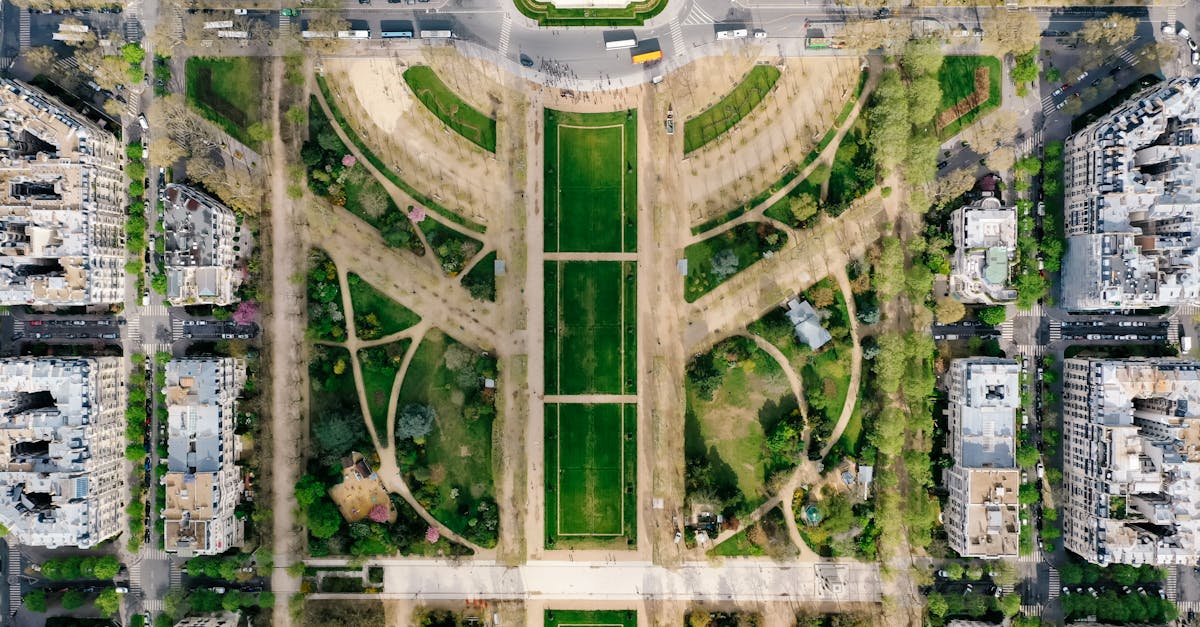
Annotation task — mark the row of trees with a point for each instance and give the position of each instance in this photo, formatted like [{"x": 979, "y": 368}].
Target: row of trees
[
  {"x": 108, "y": 602},
  {"x": 81, "y": 567}
]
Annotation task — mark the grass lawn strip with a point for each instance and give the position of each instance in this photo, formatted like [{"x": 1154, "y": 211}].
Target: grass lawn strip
[
  {"x": 390, "y": 316},
  {"x": 589, "y": 328},
  {"x": 591, "y": 618},
  {"x": 591, "y": 181},
  {"x": 633, "y": 14},
  {"x": 231, "y": 101},
  {"x": 478, "y": 128},
  {"x": 724, "y": 115},
  {"x": 427, "y": 201}
]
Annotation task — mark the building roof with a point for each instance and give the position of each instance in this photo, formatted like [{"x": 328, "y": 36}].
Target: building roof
[
  {"x": 807, "y": 324},
  {"x": 200, "y": 259},
  {"x": 985, "y": 247}
]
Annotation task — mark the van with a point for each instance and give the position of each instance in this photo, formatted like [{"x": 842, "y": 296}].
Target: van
[{"x": 142, "y": 121}]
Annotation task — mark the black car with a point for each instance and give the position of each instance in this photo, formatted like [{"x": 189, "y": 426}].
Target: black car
[
  {"x": 252, "y": 588},
  {"x": 526, "y": 60},
  {"x": 942, "y": 164}
]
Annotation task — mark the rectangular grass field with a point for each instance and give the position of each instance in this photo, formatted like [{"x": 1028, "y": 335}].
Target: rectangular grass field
[
  {"x": 227, "y": 92},
  {"x": 591, "y": 618},
  {"x": 591, "y": 342},
  {"x": 591, "y": 471},
  {"x": 957, "y": 80},
  {"x": 591, "y": 182}
]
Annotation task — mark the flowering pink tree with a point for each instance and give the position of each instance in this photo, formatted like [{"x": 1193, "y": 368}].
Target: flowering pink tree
[
  {"x": 246, "y": 312},
  {"x": 432, "y": 534},
  {"x": 349, "y": 161},
  {"x": 416, "y": 214},
  {"x": 378, "y": 514}
]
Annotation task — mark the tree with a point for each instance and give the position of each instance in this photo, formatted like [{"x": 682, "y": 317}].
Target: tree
[
  {"x": 40, "y": 59},
  {"x": 135, "y": 452},
  {"x": 954, "y": 570},
  {"x": 1025, "y": 70},
  {"x": 107, "y": 566},
  {"x": 949, "y": 310},
  {"x": 1011, "y": 32},
  {"x": 993, "y": 130},
  {"x": 35, "y": 601},
  {"x": 802, "y": 208},
  {"x": 1111, "y": 30},
  {"x": 949, "y": 186},
  {"x": 108, "y": 602},
  {"x": 1000, "y": 159},
  {"x": 1028, "y": 494},
  {"x": 1027, "y": 456},
  {"x": 936, "y": 604},
  {"x": 415, "y": 421},
  {"x": 725, "y": 264},
  {"x": 922, "y": 57},
  {"x": 867, "y": 34},
  {"x": 324, "y": 519},
  {"x": 336, "y": 435},
  {"x": 994, "y": 315},
  {"x": 1010, "y": 604},
  {"x": 72, "y": 600},
  {"x": 297, "y": 115},
  {"x": 889, "y": 122},
  {"x": 258, "y": 132},
  {"x": 133, "y": 54},
  {"x": 924, "y": 99},
  {"x": 309, "y": 490}
]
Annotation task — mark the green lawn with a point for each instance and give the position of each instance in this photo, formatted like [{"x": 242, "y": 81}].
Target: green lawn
[
  {"x": 450, "y": 109},
  {"x": 769, "y": 537},
  {"x": 957, "y": 80},
  {"x": 748, "y": 242},
  {"x": 730, "y": 430},
  {"x": 591, "y": 344},
  {"x": 632, "y": 14},
  {"x": 853, "y": 172},
  {"x": 480, "y": 281},
  {"x": 591, "y": 618},
  {"x": 376, "y": 315},
  {"x": 227, "y": 92},
  {"x": 591, "y": 182},
  {"x": 457, "y": 455},
  {"x": 379, "y": 367},
  {"x": 737, "y": 104},
  {"x": 591, "y": 471},
  {"x": 452, "y": 249}
]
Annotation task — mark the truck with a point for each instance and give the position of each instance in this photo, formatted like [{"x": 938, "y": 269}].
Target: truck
[
  {"x": 647, "y": 56},
  {"x": 670, "y": 120}
]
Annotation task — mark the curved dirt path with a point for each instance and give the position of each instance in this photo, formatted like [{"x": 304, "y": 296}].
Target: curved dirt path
[
  {"x": 793, "y": 379},
  {"x": 758, "y": 213},
  {"x": 856, "y": 358},
  {"x": 398, "y": 195}
]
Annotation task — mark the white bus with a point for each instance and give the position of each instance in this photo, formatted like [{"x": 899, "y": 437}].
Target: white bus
[
  {"x": 354, "y": 34},
  {"x": 224, "y": 24},
  {"x": 316, "y": 34},
  {"x": 437, "y": 34},
  {"x": 233, "y": 34},
  {"x": 619, "y": 44}
]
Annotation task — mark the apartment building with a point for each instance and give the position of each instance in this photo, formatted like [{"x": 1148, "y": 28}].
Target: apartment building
[
  {"x": 203, "y": 481},
  {"x": 200, "y": 259},
  {"x": 985, "y": 248},
  {"x": 1131, "y": 203},
  {"x": 62, "y": 204},
  {"x": 1131, "y": 460},
  {"x": 981, "y": 517},
  {"x": 62, "y": 449}
]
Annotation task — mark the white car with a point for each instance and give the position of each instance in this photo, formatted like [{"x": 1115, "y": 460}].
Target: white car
[
  {"x": 1192, "y": 44},
  {"x": 1183, "y": 32},
  {"x": 1196, "y": 58},
  {"x": 239, "y": 11},
  {"x": 1058, "y": 92},
  {"x": 1060, "y": 105},
  {"x": 1081, "y": 77},
  {"x": 1167, "y": 29},
  {"x": 760, "y": 33}
]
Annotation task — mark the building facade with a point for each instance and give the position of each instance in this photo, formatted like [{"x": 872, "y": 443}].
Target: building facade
[
  {"x": 200, "y": 259},
  {"x": 62, "y": 204},
  {"x": 1131, "y": 460},
  {"x": 62, "y": 449},
  {"x": 982, "y": 517},
  {"x": 203, "y": 481},
  {"x": 985, "y": 248},
  {"x": 1131, "y": 203}
]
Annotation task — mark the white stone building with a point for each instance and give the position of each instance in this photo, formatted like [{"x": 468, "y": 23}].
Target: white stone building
[
  {"x": 200, "y": 259},
  {"x": 62, "y": 204},
  {"x": 1131, "y": 460},
  {"x": 62, "y": 449},
  {"x": 204, "y": 483},
  {"x": 1132, "y": 203},
  {"x": 982, "y": 517},
  {"x": 985, "y": 248}
]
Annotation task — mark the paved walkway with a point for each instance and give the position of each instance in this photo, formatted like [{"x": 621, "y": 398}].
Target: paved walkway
[{"x": 732, "y": 579}]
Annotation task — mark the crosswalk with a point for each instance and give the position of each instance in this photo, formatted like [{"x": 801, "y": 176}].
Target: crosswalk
[
  {"x": 1055, "y": 330},
  {"x": 177, "y": 24},
  {"x": 176, "y": 578},
  {"x": 505, "y": 34},
  {"x": 698, "y": 17},
  {"x": 677, "y": 37},
  {"x": 1006, "y": 331},
  {"x": 1031, "y": 143},
  {"x": 1173, "y": 331},
  {"x": 133, "y": 25},
  {"x": 1031, "y": 610},
  {"x": 1128, "y": 57},
  {"x": 1172, "y": 588},
  {"x": 285, "y": 22},
  {"x": 154, "y": 311},
  {"x": 135, "y": 577},
  {"x": 1055, "y": 584},
  {"x": 23, "y": 30},
  {"x": 14, "y": 571},
  {"x": 154, "y": 606},
  {"x": 1171, "y": 15}
]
